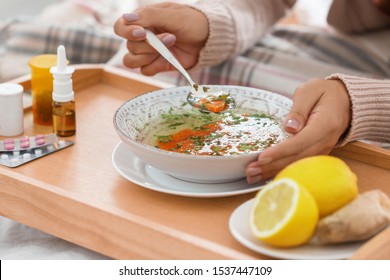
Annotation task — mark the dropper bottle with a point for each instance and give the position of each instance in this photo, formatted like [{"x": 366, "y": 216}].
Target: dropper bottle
[{"x": 64, "y": 113}]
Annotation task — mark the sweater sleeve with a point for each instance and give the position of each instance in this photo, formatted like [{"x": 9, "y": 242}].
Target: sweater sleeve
[
  {"x": 370, "y": 102},
  {"x": 236, "y": 25}
]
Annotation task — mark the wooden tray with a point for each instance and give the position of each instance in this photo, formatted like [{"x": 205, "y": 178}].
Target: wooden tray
[{"x": 77, "y": 195}]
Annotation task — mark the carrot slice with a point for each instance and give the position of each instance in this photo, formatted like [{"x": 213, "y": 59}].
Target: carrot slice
[
  {"x": 215, "y": 106},
  {"x": 181, "y": 141},
  {"x": 182, "y": 134}
]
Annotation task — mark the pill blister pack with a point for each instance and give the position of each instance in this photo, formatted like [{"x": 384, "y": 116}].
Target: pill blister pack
[{"x": 15, "y": 152}]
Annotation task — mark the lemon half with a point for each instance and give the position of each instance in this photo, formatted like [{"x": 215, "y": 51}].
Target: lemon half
[{"x": 284, "y": 214}]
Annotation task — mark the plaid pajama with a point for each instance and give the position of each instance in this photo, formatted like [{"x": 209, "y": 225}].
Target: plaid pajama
[
  {"x": 285, "y": 58},
  {"x": 25, "y": 40}
]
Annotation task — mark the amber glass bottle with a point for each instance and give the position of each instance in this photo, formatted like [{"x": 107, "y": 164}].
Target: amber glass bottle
[
  {"x": 64, "y": 110},
  {"x": 64, "y": 118}
]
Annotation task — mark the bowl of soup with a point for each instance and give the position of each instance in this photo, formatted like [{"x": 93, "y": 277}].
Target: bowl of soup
[{"x": 165, "y": 132}]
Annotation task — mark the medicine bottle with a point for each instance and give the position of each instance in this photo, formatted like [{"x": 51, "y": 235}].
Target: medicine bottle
[
  {"x": 11, "y": 109},
  {"x": 42, "y": 88},
  {"x": 64, "y": 111}
]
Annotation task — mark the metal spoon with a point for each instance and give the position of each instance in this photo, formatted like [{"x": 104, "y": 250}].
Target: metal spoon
[{"x": 199, "y": 96}]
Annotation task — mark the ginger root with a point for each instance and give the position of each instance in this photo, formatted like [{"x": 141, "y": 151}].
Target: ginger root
[{"x": 360, "y": 219}]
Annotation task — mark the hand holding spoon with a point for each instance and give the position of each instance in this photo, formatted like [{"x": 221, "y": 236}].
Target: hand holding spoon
[{"x": 201, "y": 97}]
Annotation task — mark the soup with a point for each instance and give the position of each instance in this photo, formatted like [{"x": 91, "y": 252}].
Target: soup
[{"x": 198, "y": 133}]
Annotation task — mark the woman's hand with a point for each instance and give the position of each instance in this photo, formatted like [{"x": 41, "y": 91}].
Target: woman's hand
[
  {"x": 320, "y": 114},
  {"x": 182, "y": 29}
]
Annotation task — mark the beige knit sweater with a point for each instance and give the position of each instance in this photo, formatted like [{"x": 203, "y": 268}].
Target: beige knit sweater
[{"x": 235, "y": 25}]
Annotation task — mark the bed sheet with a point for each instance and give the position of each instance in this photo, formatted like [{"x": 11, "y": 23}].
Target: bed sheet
[{"x": 20, "y": 242}]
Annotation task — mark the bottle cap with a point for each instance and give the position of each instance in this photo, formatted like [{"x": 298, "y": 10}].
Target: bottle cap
[
  {"x": 42, "y": 62},
  {"x": 62, "y": 74},
  {"x": 10, "y": 89}
]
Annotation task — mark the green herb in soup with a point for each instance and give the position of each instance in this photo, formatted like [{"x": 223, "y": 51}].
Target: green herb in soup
[{"x": 229, "y": 133}]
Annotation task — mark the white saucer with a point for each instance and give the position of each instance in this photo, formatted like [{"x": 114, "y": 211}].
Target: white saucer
[
  {"x": 239, "y": 228},
  {"x": 142, "y": 174}
]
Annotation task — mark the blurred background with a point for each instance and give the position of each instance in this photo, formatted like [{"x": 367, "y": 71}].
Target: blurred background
[
  {"x": 12, "y": 8},
  {"x": 32, "y": 27}
]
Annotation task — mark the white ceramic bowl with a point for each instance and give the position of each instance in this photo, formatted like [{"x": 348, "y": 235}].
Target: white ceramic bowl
[{"x": 134, "y": 115}]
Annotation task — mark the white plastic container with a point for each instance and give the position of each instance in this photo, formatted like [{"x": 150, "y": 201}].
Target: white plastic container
[{"x": 11, "y": 109}]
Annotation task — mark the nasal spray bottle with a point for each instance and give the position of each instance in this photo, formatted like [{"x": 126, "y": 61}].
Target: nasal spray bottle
[{"x": 64, "y": 114}]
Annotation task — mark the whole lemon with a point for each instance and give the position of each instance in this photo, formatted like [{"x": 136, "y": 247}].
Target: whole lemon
[{"x": 329, "y": 180}]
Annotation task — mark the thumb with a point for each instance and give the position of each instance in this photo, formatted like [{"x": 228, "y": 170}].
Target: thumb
[{"x": 304, "y": 100}]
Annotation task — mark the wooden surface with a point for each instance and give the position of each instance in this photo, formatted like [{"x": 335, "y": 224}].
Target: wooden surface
[
  {"x": 367, "y": 153},
  {"x": 377, "y": 248},
  {"x": 76, "y": 194}
]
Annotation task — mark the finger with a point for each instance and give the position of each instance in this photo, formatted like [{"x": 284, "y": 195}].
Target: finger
[
  {"x": 313, "y": 138},
  {"x": 275, "y": 167},
  {"x": 252, "y": 170},
  {"x": 311, "y": 135},
  {"x": 266, "y": 168},
  {"x": 141, "y": 53},
  {"x": 129, "y": 32},
  {"x": 169, "y": 17},
  {"x": 142, "y": 47},
  {"x": 120, "y": 27},
  {"x": 151, "y": 16},
  {"x": 316, "y": 147},
  {"x": 137, "y": 48},
  {"x": 135, "y": 61},
  {"x": 130, "y": 18},
  {"x": 254, "y": 179},
  {"x": 304, "y": 99},
  {"x": 158, "y": 65}
]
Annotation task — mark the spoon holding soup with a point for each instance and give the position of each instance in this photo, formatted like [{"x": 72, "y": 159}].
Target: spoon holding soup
[{"x": 200, "y": 97}]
